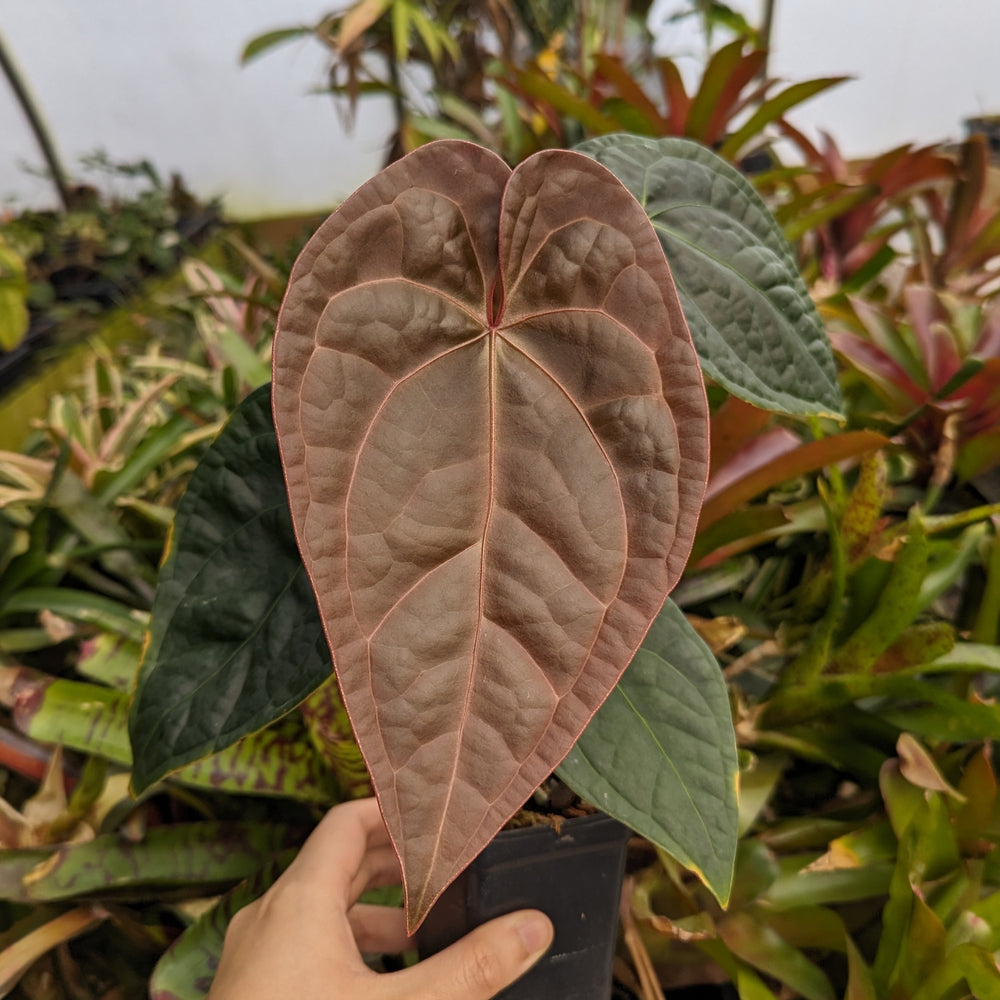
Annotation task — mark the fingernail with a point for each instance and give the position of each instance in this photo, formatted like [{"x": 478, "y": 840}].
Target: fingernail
[{"x": 535, "y": 930}]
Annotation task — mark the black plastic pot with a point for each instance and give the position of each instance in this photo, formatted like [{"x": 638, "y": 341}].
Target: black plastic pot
[{"x": 575, "y": 877}]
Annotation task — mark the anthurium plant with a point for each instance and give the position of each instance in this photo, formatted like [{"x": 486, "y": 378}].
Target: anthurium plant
[{"x": 475, "y": 478}]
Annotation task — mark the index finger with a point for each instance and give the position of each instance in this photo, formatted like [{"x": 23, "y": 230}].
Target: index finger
[{"x": 348, "y": 852}]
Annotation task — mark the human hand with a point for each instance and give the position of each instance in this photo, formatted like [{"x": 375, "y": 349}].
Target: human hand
[{"x": 304, "y": 937}]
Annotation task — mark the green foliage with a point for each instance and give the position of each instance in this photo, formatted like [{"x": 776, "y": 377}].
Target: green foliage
[
  {"x": 732, "y": 110},
  {"x": 661, "y": 739},
  {"x": 210, "y": 551},
  {"x": 84, "y": 515},
  {"x": 99, "y": 249},
  {"x": 13, "y": 298},
  {"x": 377, "y": 46},
  {"x": 932, "y": 363},
  {"x": 845, "y": 579},
  {"x": 232, "y": 560},
  {"x": 527, "y": 76},
  {"x": 751, "y": 318},
  {"x": 182, "y": 973},
  {"x": 851, "y": 217}
]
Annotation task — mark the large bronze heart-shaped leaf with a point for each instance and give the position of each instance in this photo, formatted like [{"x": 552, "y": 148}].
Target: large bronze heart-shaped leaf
[{"x": 494, "y": 433}]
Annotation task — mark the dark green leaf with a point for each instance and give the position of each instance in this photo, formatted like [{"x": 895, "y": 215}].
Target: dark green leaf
[
  {"x": 660, "y": 753},
  {"x": 235, "y": 638},
  {"x": 751, "y": 317}
]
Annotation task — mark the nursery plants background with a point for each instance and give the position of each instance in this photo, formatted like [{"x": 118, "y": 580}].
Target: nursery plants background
[{"x": 845, "y": 572}]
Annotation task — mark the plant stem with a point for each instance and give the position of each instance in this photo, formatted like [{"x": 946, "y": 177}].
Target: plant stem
[
  {"x": 766, "y": 27},
  {"x": 38, "y": 127}
]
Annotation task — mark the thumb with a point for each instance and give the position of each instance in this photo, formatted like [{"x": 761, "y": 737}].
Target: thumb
[{"x": 483, "y": 962}]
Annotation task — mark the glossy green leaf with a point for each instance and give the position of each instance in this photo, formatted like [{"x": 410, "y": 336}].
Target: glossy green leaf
[
  {"x": 920, "y": 706},
  {"x": 895, "y": 917},
  {"x": 14, "y": 641},
  {"x": 539, "y": 85},
  {"x": 804, "y": 927},
  {"x": 922, "y": 951},
  {"x": 727, "y": 72},
  {"x": 660, "y": 753},
  {"x": 714, "y": 582},
  {"x": 922, "y": 821},
  {"x": 948, "y": 561},
  {"x": 987, "y": 624},
  {"x": 235, "y": 638},
  {"x": 96, "y": 524},
  {"x": 801, "y": 222},
  {"x": 978, "y": 785},
  {"x": 753, "y": 323},
  {"x": 986, "y": 914},
  {"x": 751, "y": 525},
  {"x": 158, "y": 444},
  {"x": 756, "y": 870},
  {"x": 866, "y": 846},
  {"x": 803, "y": 833}
]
